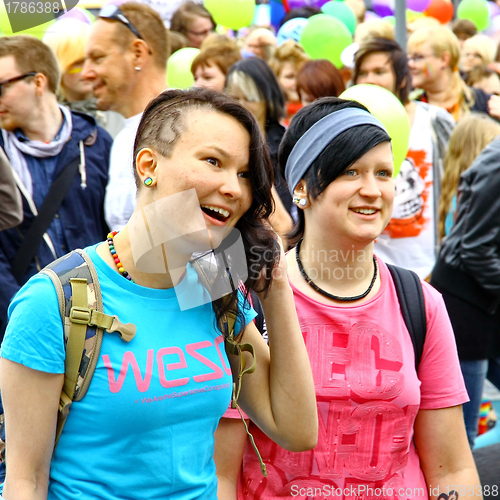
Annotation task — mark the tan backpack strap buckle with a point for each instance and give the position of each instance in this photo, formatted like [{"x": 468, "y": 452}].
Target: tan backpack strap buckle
[
  {"x": 91, "y": 317},
  {"x": 80, "y": 315},
  {"x": 64, "y": 404},
  {"x": 126, "y": 330}
]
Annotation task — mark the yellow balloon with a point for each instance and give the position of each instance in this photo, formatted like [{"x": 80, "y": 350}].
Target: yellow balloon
[{"x": 387, "y": 108}]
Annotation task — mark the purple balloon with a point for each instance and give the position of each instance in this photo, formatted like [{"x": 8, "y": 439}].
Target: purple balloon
[
  {"x": 494, "y": 26},
  {"x": 297, "y": 4},
  {"x": 318, "y": 3},
  {"x": 417, "y": 5},
  {"x": 78, "y": 14},
  {"x": 494, "y": 9},
  {"x": 114, "y": 2},
  {"x": 383, "y": 7},
  {"x": 371, "y": 15}
]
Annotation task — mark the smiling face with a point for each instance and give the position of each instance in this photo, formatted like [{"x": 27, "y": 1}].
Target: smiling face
[
  {"x": 211, "y": 157},
  {"x": 425, "y": 67},
  {"x": 356, "y": 207},
  {"x": 108, "y": 67},
  {"x": 377, "y": 69},
  {"x": 210, "y": 77}
]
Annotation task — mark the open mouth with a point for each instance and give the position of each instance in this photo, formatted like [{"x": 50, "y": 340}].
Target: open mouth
[{"x": 217, "y": 213}]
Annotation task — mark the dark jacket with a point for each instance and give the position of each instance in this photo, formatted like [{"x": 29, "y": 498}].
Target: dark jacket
[
  {"x": 274, "y": 134},
  {"x": 468, "y": 266},
  {"x": 81, "y": 212}
]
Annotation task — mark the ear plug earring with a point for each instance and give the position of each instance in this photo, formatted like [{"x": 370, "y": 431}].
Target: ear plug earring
[
  {"x": 301, "y": 202},
  {"x": 148, "y": 181}
]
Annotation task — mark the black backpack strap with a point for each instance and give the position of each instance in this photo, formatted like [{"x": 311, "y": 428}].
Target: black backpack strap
[
  {"x": 412, "y": 303},
  {"x": 32, "y": 239}
]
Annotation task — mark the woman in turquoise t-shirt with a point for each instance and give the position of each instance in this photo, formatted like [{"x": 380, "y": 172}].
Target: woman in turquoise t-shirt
[{"x": 145, "y": 427}]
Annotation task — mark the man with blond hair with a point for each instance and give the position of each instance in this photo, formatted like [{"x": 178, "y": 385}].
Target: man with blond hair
[
  {"x": 125, "y": 59},
  {"x": 59, "y": 161}
]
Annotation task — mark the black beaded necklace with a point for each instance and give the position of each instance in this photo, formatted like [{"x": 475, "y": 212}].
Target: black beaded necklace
[{"x": 329, "y": 295}]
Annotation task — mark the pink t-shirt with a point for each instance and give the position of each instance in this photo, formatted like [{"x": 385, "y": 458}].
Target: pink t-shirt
[{"x": 368, "y": 395}]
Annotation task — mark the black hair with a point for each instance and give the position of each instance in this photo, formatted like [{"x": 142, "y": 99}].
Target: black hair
[
  {"x": 265, "y": 80},
  {"x": 397, "y": 57},
  {"x": 170, "y": 110},
  {"x": 336, "y": 158}
]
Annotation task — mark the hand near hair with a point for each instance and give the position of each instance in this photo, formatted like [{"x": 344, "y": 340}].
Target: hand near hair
[{"x": 494, "y": 106}]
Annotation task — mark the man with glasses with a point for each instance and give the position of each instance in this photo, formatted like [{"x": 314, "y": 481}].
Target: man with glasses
[
  {"x": 50, "y": 149},
  {"x": 126, "y": 59}
]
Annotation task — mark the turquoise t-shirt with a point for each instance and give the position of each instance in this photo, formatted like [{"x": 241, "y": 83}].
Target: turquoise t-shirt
[{"x": 145, "y": 429}]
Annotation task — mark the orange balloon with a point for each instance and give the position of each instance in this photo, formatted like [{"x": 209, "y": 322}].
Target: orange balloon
[{"x": 442, "y": 10}]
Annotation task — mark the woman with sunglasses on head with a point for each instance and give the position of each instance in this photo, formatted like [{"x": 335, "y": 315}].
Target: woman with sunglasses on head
[
  {"x": 386, "y": 430},
  {"x": 145, "y": 430}
]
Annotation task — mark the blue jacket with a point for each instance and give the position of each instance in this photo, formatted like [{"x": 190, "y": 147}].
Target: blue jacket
[{"x": 81, "y": 212}]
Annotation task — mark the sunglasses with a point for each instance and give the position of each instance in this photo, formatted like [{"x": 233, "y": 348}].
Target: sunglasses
[
  {"x": 15, "y": 79},
  {"x": 114, "y": 12}
]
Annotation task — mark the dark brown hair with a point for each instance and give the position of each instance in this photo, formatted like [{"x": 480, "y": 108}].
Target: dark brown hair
[{"x": 397, "y": 58}]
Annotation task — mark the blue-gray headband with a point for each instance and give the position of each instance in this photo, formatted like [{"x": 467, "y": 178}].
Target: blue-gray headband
[{"x": 315, "y": 140}]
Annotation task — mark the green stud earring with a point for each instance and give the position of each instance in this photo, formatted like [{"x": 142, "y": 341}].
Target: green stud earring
[{"x": 148, "y": 181}]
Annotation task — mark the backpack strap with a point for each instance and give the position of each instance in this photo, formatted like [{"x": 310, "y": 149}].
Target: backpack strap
[
  {"x": 412, "y": 303},
  {"x": 81, "y": 308}
]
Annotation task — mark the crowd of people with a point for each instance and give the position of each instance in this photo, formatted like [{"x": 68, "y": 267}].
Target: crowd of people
[{"x": 332, "y": 323}]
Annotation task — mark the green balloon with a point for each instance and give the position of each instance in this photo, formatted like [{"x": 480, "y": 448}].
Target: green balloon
[
  {"x": 476, "y": 11},
  {"x": 387, "y": 108},
  {"x": 325, "y": 37},
  {"x": 179, "y": 74},
  {"x": 342, "y": 12},
  {"x": 234, "y": 14}
]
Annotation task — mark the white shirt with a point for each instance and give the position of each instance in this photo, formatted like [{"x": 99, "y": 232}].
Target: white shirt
[
  {"x": 121, "y": 191},
  {"x": 408, "y": 239}
]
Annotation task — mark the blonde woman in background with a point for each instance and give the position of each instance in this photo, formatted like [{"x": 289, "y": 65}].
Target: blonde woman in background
[
  {"x": 477, "y": 50},
  {"x": 68, "y": 39},
  {"x": 373, "y": 28},
  {"x": 288, "y": 60},
  {"x": 469, "y": 138},
  {"x": 433, "y": 58}
]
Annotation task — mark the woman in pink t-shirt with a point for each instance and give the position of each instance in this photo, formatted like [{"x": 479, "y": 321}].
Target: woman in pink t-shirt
[{"x": 375, "y": 411}]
